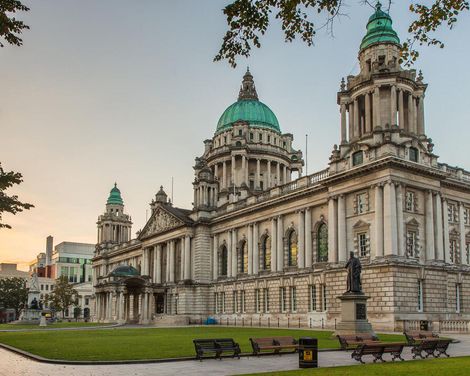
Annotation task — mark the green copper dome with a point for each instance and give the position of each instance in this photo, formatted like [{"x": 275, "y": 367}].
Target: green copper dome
[
  {"x": 379, "y": 29},
  {"x": 115, "y": 196},
  {"x": 248, "y": 108},
  {"x": 124, "y": 271}
]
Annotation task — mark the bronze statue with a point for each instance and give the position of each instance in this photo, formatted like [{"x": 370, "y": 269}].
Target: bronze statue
[{"x": 354, "y": 274}]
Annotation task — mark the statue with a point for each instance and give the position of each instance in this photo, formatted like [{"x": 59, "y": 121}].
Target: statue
[
  {"x": 354, "y": 274},
  {"x": 34, "y": 282},
  {"x": 34, "y": 304}
]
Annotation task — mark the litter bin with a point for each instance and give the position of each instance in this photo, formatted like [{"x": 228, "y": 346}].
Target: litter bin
[{"x": 308, "y": 352}]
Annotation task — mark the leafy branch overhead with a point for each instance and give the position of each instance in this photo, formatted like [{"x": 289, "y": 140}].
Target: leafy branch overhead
[
  {"x": 10, "y": 27},
  {"x": 248, "y": 20}
]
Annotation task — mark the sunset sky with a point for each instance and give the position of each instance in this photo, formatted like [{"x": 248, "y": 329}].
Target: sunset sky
[{"x": 126, "y": 91}]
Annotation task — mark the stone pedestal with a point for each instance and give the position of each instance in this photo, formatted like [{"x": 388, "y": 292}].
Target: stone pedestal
[
  {"x": 354, "y": 315},
  {"x": 43, "y": 321}
]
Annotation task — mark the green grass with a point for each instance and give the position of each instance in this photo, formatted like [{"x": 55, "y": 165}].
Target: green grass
[
  {"x": 55, "y": 325},
  {"x": 146, "y": 343},
  {"x": 440, "y": 367}
]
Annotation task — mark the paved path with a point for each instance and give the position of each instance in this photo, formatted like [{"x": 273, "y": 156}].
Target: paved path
[{"x": 14, "y": 365}]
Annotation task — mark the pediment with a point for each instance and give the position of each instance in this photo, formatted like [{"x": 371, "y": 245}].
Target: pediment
[
  {"x": 360, "y": 224},
  {"x": 160, "y": 221}
]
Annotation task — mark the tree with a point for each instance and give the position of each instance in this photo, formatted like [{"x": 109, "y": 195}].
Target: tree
[
  {"x": 248, "y": 20},
  {"x": 10, "y": 27},
  {"x": 13, "y": 293},
  {"x": 10, "y": 204},
  {"x": 64, "y": 295}
]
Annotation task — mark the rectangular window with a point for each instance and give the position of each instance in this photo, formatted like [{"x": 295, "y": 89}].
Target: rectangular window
[
  {"x": 257, "y": 301},
  {"x": 420, "y": 295},
  {"x": 324, "y": 305},
  {"x": 466, "y": 216},
  {"x": 414, "y": 155},
  {"x": 361, "y": 203},
  {"x": 47, "y": 287},
  {"x": 251, "y": 136},
  {"x": 362, "y": 244},
  {"x": 458, "y": 298},
  {"x": 235, "y": 302},
  {"x": 260, "y": 137},
  {"x": 358, "y": 158},
  {"x": 240, "y": 132},
  {"x": 313, "y": 298},
  {"x": 453, "y": 215},
  {"x": 411, "y": 243},
  {"x": 216, "y": 302},
  {"x": 269, "y": 138},
  {"x": 282, "y": 299},
  {"x": 453, "y": 250},
  {"x": 223, "y": 301},
  {"x": 467, "y": 249},
  {"x": 293, "y": 299},
  {"x": 242, "y": 301},
  {"x": 266, "y": 300},
  {"x": 87, "y": 301},
  {"x": 410, "y": 201},
  {"x": 42, "y": 287}
]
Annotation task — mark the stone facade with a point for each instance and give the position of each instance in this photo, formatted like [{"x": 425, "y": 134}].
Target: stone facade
[{"x": 266, "y": 247}]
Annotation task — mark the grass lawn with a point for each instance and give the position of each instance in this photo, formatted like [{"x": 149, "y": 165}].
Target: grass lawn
[
  {"x": 55, "y": 325},
  {"x": 146, "y": 343},
  {"x": 438, "y": 367}
]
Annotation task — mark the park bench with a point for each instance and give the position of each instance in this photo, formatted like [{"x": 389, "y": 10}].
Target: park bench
[
  {"x": 435, "y": 347},
  {"x": 275, "y": 344},
  {"x": 350, "y": 341},
  {"x": 216, "y": 346},
  {"x": 415, "y": 336},
  {"x": 377, "y": 350}
]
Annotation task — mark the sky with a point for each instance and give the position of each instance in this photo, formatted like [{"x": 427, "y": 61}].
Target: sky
[{"x": 127, "y": 91}]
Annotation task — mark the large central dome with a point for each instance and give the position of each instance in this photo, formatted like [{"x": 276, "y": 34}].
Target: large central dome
[{"x": 248, "y": 108}]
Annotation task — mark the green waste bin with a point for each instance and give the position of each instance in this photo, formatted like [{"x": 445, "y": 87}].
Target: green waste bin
[{"x": 308, "y": 352}]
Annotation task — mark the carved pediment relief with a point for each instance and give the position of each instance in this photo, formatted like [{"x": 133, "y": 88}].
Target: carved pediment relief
[{"x": 160, "y": 221}]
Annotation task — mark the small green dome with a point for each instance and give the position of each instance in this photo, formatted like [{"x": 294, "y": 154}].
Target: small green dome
[
  {"x": 379, "y": 29},
  {"x": 248, "y": 108},
  {"x": 125, "y": 271},
  {"x": 254, "y": 112},
  {"x": 115, "y": 196}
]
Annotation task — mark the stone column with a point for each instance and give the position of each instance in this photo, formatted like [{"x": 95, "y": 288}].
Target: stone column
[
  {"x": 258, "y": 174},
  {"x": 243, "y": 170},
  {"x": 463, "y": 240},
  {"x": 224, "y": 175},
  {"x": 445, "y": 210},
  {"x": 234, "y": 182},
  {"x": 308, "y": 238},
  {"x": 182, "y": 275},
  {"x": 255, "y": 249},
  {"x": 110, "y": 307},
  {"x": 429, "y": 254},
  {"x": 247, "y": 170},
  {"x": 273, "y": 245},
  {"x": 280, "y": 244},
  {"x": 250, "y": 250},
  {"x": 278, "y": 173},
  {"x": 284, "y": 178},
  {"x": 158, "y": 263},
  {"x": 215, "y": 258},
  {"x": 216, "y": 171},
  {"x": 390, "y": 219},
  {"x": 269, "y": 174},
  {"x": 143, "y": 316},
  {"x": 332, "y": 231},
  {"x": 172, "y": 261},
  {"x": 343, "y": 124},
  {"x": 301, "y": 244},
  {"x": 187, "y": 258},
  {"x": 342, "y": 245},
  {"x": 411, "y": 125},
  {"x": 400, "y": 221},
  {"x": 368, "y": 122},
  {"x": 121, "y": 307},
  {"x": 234, "y": 253},
  {"x": 379, "y": 222},
  {"x": 350, "y": 120},
  {"x": 376, "y": 107},
  {"x": 97, "y": 306},
  {"x": 357, "y": 123},
  {"x": 401, "y": 109},
  {"x": 439, "y": 239},
  {"x": 421, "y": 130},
  {"x": 144, "y": 261},
  {"x": 229, "y": 254}
]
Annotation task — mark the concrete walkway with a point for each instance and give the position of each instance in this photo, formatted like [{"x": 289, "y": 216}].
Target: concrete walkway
[{"x": 14, "y": 365}]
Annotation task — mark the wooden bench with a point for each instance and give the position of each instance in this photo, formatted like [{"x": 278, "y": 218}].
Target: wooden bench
[
  {"x": 415, "y": 336},
  {"x": 275, "y": 344},
  {"x": 216, "y": 346},
  {"x": 435, "y": 347},
  {"x": 351, "y": 341},
  {"x": 377, "y": 350}
]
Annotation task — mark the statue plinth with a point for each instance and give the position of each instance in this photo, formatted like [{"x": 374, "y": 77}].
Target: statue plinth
[{"x": 354, "y": 314}]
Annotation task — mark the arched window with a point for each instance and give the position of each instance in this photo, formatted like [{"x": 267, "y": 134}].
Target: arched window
[
  {"x": 266, "y": 253},
  {"x": 322, "y": 243},
  {"x": 243, "y": 258},
  {"x": 223, "y": 261},
  {"x": 292, "y": 249}
]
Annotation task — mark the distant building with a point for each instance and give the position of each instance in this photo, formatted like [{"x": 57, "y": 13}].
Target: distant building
[{"x": 10, "y": 270}]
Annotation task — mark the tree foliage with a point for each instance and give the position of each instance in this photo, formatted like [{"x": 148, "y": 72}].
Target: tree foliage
[
  {"x": 13, "y": 293},
  {"x": 10, "y": 204},
  {"x": 10, "y": 27},
  {"x": 63, "y": 295},
  {"x": 248, "y": 20}
]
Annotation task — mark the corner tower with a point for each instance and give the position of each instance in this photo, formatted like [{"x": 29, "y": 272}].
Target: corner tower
[
  {"x": 114, "y": 226},
  {"x": 247, "y": 155},
  {"x": 382, "y": 108}
]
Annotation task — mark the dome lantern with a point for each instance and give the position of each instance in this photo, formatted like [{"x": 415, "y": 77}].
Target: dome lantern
[
  {"x": 115, "y": 196},
  {"x": 379, "y": 29}
]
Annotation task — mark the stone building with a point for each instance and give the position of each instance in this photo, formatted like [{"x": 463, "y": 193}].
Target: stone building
[{"x": 262, "y": 242}]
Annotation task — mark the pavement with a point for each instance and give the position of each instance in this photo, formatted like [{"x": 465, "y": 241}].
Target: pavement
[{"x": 12, "y": 364}]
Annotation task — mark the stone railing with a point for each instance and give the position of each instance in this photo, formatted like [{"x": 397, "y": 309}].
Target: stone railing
[
  {"x": 455, "y": 172},
  {"x": 455, "y": 326}
]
